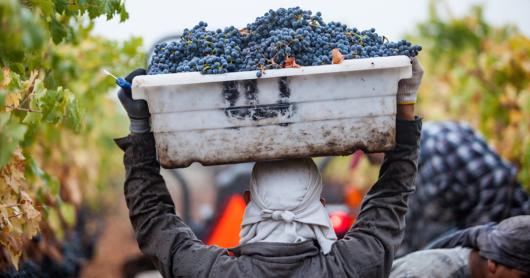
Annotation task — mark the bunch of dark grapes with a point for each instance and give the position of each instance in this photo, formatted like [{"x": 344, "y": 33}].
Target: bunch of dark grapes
[{"x": 268, "y": 42}]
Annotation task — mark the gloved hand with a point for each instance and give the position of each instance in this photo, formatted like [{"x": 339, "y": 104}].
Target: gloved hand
[
  {"x": 407, "y": 88},
  {"x": 137, "y": 110}
]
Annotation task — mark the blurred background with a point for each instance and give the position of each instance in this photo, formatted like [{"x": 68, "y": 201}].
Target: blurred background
[{"x": 61, "y": 176}]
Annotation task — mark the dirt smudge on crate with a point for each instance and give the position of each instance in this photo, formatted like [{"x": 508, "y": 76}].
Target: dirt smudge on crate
[
  {"x": 260, "y": 112},
  {"x": 285, "y": 90},
  {"x": 230, "y": 92},
  {"x": 251, "y": 91},
  {"x": 253, "y": 110}
]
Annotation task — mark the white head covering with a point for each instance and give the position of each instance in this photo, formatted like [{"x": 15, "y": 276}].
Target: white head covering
[{"x": 285, "y": 205}]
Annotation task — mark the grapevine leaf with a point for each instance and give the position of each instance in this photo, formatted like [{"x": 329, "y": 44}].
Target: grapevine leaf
[
  {"x": 109, "y": 7},
  {"x": 13, "y": 173},
  {"x": 54, "y": 220},
  {"x": 58, "y": 30},
  {"x": 68, "y": 213},
  {"x": 14, "y": 257},
  {"x": 17, "y": 67},
  {"x": 60, "y": 6},
  {"x": 12, "y": 100},
  {"x": 32, "y": 118},
  {"x": 73, "y": 115},
  {"x": 45, "y": 6},
  {"x": 11, "y": 133},
  {"x": 124, "y": 15},
  {"x": 94, "y": 8},
  {"x": 50, "y": 183}
]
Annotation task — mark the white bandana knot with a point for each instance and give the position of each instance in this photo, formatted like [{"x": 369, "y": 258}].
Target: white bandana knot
[{"x": 278, "y": 215}]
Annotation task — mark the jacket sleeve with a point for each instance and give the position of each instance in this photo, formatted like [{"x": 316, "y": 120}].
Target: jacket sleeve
[
  {"x": 464, "y": 238},
  {"x": 160, "y": 233},
  {"x": 368, "y": 248}
]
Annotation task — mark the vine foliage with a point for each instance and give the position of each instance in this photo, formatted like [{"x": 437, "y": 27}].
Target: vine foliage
[
  {"x": 56, "y": 119},
  {"x": 479, "y": 73}
]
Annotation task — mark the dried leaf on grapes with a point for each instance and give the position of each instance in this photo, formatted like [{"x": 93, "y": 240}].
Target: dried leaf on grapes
[
  {"x": 336, "y": 56},
  {"x": 290, "y": 62}
]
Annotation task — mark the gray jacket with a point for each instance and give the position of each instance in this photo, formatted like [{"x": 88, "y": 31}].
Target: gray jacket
[
  {"x": 434, "y": 263},
  {"x": 367, "y": 250}
]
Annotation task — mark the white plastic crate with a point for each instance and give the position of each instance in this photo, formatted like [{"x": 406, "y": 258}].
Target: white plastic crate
[{"x": 286, "y": 113}]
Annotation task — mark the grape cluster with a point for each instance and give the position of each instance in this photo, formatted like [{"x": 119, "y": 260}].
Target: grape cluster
[{"x": 268, "y": 42}]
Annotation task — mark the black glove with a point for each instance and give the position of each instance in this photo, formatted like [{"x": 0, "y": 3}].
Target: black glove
[{"x": 137, "y": 110}]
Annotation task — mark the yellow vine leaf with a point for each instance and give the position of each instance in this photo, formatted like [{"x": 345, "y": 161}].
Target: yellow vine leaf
[
  {"x": 19, "y": 219},
  {"x": 13, "y": 173},
  {"x": 7, "y": 78},
  {"x": 12, "y": 100}
]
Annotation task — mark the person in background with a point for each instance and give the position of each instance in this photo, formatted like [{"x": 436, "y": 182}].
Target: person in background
[
  {"x": 490, "y": 250},
  {"x": 286, "y": 231},
  {"x": 461, "y": 182}
]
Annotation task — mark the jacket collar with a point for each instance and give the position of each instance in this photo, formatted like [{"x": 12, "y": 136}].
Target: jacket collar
[{"x": 276, "y": 252}]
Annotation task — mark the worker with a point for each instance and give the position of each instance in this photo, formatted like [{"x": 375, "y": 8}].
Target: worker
[
  {"x": 462, "y": 182},
  {"x": 489, "y": 250},
  {"x": 285, "y": 231}
]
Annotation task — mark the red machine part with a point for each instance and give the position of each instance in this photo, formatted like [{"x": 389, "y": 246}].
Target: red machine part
[{"x": 341, "y": 221}]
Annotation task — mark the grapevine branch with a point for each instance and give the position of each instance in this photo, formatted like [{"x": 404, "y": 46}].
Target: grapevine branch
[
  {"x": 20, "y": 204},
  {"x": 22, "y": 109},
  {"x": 33, "y": 77}
]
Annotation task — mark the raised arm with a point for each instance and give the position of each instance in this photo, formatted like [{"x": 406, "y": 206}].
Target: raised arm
[
  {"x": 368, "y": 248},
  {"x": 160, "y": 233}
]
